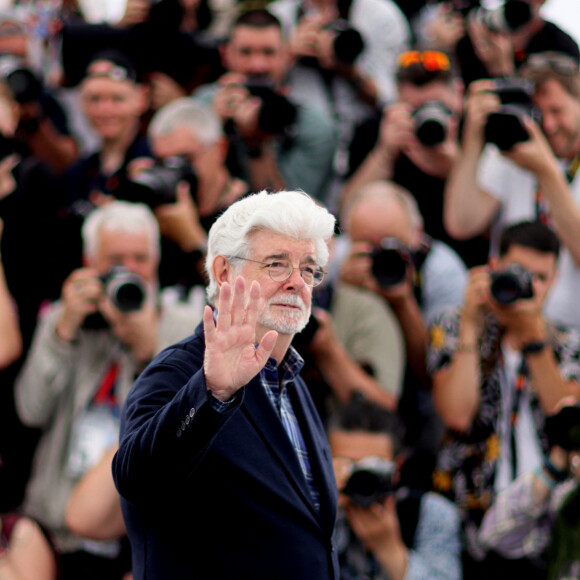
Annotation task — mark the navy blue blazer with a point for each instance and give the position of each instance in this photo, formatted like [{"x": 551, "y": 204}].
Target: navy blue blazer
[{"x": 220, "y": 496}]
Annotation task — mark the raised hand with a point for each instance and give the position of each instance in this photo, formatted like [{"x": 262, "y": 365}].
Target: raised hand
[{"x": 231, "y": 357}]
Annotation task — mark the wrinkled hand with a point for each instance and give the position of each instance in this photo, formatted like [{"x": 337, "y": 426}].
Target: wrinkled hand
[
  {"x": 231, "y": 358},
  {"x": 81, "y": 293}
]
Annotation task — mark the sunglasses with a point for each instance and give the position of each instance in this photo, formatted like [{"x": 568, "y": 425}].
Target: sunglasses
[
  {"x": 432, "y": 60},
  {"x": 559, "y": 63}
]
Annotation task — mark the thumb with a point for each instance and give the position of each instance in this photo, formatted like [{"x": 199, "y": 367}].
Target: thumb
[{"x": 266, "y": 347}]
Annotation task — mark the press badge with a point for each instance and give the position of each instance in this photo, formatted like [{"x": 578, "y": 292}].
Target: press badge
[{"x": 95, "y": 431}]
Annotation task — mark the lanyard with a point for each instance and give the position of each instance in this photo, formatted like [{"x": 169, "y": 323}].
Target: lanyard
[
  {"x": 541, "y": 207},
  {"x": 520, "y": 387}
]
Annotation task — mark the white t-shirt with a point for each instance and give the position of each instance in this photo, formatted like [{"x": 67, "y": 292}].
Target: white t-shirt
[
  {"x": 515, "y": 189},
  {"x": 528, "y": 449}
]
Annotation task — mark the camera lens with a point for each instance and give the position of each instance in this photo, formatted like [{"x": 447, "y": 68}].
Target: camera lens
[
  {"x": 431, "y": 121},
  {"x": 513, "y": 283},
  {"x": 124, "y": 289},
  {"x": 390, "y": 262}
]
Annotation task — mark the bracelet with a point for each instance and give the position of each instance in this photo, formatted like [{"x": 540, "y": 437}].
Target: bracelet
[
  {"x": 467, "y": 348},
  {"x": 534, "y": 347},
  {"x": 541, "y": 474},
  {"x": 556, "y": 474}
]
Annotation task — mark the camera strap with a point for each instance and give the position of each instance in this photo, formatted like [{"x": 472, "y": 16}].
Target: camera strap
[
  {"x": 519, "y": 388},
  {"x": 540, "y": 205}
]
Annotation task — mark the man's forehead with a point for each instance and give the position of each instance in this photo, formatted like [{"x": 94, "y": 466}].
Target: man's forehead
[{"x": 244, "y": 35}]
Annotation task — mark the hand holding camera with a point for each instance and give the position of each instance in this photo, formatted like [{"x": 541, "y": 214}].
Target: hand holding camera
[{"x": 82, "y": 292}]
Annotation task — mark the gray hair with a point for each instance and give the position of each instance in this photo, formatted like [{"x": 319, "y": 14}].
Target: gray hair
[
  {"x": 291, "y": 213},
  {"x": 388, "y": 192},
  {"x": 187, "y": 112},
  {"x": 122, "y": 217}
]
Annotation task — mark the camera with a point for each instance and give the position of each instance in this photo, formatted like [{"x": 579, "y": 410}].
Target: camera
[
  {"x": 156, "y": 186},
  {"x": 431, "y": 123},
  {"x": 390, "y": 261},
  {"x": 513, "y": 283},
  {"x": 370, "y": 481},
  {"x": 507, "y": 17},
  {"x": 563, "y": 428},
  {"x": 23, "y": 83},
  {"x": 277, "y": 113},
  {"x": 347, "y": 43},
  {"x": 505, "y": 127},
  {"x": 124, "y": 289}
]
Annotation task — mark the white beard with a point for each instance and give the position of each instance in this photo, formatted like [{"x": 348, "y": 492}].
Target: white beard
[{"x": 287, "y": 321}]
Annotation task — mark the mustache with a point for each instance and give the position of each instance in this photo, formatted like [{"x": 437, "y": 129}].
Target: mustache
[{"x": 290, "y": 299}]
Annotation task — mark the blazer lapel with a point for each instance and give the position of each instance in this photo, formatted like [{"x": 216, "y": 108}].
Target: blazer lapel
[
  {"x": 318, "y": 451},
  {"x": 260, "y": 412}
]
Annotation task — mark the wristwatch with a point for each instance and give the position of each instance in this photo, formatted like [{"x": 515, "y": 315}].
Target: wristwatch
[{"x": 534, "y": 346}]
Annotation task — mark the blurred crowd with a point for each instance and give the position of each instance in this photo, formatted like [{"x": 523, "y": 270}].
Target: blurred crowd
[{"x": 444, "y": 344}]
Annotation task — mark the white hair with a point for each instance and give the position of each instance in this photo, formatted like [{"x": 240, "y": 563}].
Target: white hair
[
  {"x": 187, "y": 112},
  {"x": 122, "y": 217},
  {"x": 388, "y": 192},
  {"x": 291, "y": 213}
]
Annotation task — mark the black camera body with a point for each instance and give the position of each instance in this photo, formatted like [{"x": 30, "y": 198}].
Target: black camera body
[
  {"x": 125, "y": 289},
  {"x": 370, "y": 481},
  {"x": 511, "y": 284},
  {"x": 505, "y": 128},
  {"x": 348, "y": 42},
  {"x": 25, "y": 85},
  {"x": 563, "y": 428},
  {"x": 276, "y": 113},
  {"x": 390, "y": 262},
  {"x": 156, "y": 186},
  {"x": 431, "y": 123}
]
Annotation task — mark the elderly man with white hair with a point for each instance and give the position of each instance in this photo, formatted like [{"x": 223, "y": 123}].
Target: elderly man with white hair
[
  {"x": 87, "y": 350},
  {"x": 223, "y": 464}
]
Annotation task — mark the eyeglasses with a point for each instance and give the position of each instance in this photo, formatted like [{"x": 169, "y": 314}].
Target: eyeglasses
[
  {"x": 432, "y": 60},
  {"x": 281, "y": 270},
  {"x": 559, "y": 63}
]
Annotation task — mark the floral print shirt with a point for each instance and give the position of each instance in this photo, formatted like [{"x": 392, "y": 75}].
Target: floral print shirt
[{"x": 466, "y": 465}]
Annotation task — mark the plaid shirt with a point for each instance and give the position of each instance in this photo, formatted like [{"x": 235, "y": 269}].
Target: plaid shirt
[
  {"x": 280, "y": 399},
  {"x": 277, "y": 392}
]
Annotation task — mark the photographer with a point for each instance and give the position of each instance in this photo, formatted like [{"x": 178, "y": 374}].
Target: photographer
[
  {"x": 493, "y": 40},
  {"x": 87, "y": 350},
  {"x": 391, "y": 256},
  {"x": 386, "y": 530},
  {"x": 498, "y": 368},
  {"x": 530, "y": 177},
  {"x": 188, "y": 186},
  {"x": 275, "y": 143},
  {"x": 344, "y": 57},
  {"x": 536, "y": 516},
  {"x": 414, "y": 142}
]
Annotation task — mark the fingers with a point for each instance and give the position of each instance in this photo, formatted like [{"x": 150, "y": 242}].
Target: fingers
[{"x": 266, "y": 346}]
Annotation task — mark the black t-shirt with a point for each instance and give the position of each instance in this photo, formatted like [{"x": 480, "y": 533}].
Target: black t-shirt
[
  {"x": 549, "y": 38},
  {"x": 426, "y": 189}
]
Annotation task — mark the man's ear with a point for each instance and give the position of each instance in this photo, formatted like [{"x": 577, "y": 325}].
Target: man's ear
[{"x": 221, "y": 270}]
